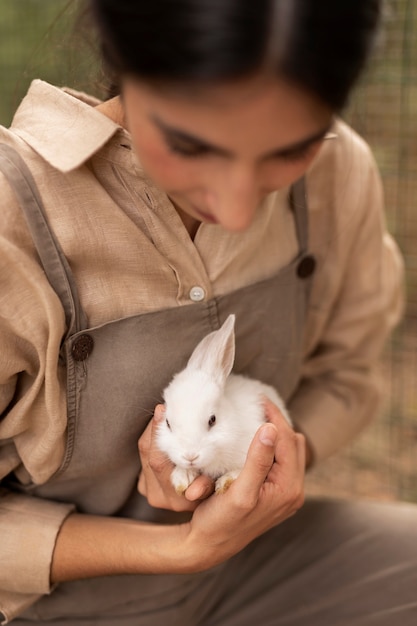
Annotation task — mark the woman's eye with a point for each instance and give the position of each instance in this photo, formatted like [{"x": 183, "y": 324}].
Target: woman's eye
[
  {"x": 168, "y": 424},
  {"x": 187, "y": 150},
  {"x": 212, "y": 421},
  {"x": 297, "y": 155}
]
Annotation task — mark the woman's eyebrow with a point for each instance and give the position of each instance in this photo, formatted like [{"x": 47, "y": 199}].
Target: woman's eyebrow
[
  {"x": 299, "y": 146},
  {"x": 181, "y": 135}
]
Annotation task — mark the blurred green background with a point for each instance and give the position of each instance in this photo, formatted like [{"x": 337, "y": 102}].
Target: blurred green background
[{"x": 42, "y": 39}]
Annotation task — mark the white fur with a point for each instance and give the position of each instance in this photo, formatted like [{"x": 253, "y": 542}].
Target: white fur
[{"x": 205, "y": 388}]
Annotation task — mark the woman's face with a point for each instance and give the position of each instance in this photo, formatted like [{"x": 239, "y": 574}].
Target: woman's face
[{"x": 219, "y": 151}]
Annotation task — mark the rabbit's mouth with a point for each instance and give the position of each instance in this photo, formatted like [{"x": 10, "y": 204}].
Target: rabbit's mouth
[{"x": 189, "y": 459}]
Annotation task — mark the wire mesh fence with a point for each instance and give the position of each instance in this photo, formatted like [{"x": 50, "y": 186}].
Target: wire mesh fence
[
  {"x": 383, "y": 462},
  {"x": 41, "y": 39}
]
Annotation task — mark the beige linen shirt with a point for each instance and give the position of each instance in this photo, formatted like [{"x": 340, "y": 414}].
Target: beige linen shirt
[{"x": 130, "y": 254}]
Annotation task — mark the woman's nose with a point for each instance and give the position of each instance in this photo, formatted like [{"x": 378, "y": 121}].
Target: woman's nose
[{"x": 234, "y": 200}]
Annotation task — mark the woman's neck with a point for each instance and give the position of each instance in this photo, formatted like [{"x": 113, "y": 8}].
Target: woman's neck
[{"x": 114, "y": 110}]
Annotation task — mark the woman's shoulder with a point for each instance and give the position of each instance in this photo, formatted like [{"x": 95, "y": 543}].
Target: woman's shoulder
[
  {"x": 343, "y": 171},
  {"x": 9, "y": 144},
  {"x": 344, "y": 153},
  {"x": 13, "y": 149},
  {"x": 55, "y": 133},
  {"x": 344, "y": 192}
]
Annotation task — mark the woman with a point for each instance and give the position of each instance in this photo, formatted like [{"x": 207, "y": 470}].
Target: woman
[{"x": 132, "y": 228}]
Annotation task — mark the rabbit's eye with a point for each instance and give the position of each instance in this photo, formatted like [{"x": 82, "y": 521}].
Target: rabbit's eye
[
  {"x": 212, "y": 421},
  {"x": 168, "y": 424}
]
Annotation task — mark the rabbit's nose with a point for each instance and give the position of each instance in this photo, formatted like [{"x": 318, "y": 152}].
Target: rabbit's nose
[{"x": 191, "y": 456}]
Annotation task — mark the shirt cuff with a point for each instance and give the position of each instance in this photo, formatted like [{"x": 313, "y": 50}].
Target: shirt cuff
[
  {"x": 28, "y": 527},
  {"x": 14, "y": 604}
]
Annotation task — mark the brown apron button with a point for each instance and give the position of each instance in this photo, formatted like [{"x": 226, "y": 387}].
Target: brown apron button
[
  {"x": 82, "y": 347},
  {"x": 306, "y": 266}
]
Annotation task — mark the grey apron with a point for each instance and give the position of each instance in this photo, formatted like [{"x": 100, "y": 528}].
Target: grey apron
[{"x": 115, "y": 375}]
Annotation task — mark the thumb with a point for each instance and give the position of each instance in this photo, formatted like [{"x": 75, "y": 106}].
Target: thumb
[{"x": 258, "y": 461}]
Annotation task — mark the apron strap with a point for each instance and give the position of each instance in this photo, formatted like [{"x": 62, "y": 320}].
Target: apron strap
[
  {"x": 299, "y": 206},
  {"x": 49, "y": 250}
]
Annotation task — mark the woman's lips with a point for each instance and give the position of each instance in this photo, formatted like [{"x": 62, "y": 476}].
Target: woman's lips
[{"x": 206, "y": 217}]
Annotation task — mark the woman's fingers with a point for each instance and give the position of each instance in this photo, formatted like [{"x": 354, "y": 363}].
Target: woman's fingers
[
  {"x": 266, "y": 492},
  {"x": 290, "y": 450},
  {"x": 258, "y": 464},
  {"x": 276, "y": 457},
  {"x": 200, "y": 489},
  {"x": 154, "y": 480},
  {"x": 157, "y": 460},
  {"x": 274, "y": 415}
]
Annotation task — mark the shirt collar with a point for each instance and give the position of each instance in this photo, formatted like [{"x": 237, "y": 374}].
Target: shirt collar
[{"x": 62, "y": 125}]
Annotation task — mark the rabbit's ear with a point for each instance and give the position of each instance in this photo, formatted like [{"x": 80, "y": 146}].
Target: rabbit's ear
[{"x": 215, "y": 353}]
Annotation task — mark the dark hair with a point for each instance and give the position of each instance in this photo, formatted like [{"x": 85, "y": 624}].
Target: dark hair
[{"x": 321, "y": 45}]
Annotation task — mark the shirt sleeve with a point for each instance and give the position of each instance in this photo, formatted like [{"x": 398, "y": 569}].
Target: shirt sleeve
[
  {"x": 29, "y": 528},
  {"x": 357, "y": 298},
  {"x": 31, "y": 436},
  {"x": 13, "y": 604}
]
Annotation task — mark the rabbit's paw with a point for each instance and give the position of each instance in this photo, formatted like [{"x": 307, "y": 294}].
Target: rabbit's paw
[
  {"x": 182, "y": 478},
  {"x": 223, "y": 483}
]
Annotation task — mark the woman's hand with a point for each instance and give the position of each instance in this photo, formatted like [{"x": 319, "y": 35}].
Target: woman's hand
[
  {"x": 269, "y": 489},
  {"x": 154, "y": 480}
]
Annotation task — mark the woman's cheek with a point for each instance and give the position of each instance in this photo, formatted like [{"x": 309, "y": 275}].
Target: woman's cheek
[{"x": 164, "y": 168}]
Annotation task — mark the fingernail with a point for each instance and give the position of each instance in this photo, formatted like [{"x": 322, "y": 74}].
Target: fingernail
[
  {"x": 268, "y": 435},
  {"x": 159, "y": 412},
  {"x": 194, "y": 494},
  {"x": 192, "y": 497}
]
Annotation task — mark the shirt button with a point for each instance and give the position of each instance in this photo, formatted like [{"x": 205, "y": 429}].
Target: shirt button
[{"x": 197, "y": 294}]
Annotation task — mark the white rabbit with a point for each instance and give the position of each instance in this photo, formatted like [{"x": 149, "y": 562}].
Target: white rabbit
[{"x": 212, "y": 415}]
